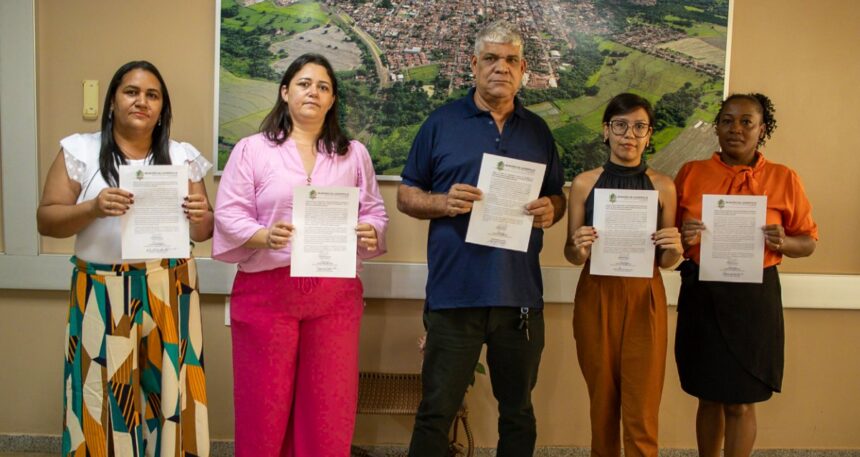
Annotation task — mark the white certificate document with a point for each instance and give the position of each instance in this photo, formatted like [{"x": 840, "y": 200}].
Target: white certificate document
[
  {"x": 733, "y": 242},
  {"x": 155, "y": 227},
  {"x": 625, "y": 220},
  {"x": 324, "y": 243},
  {"x": 499, "y": 219}
]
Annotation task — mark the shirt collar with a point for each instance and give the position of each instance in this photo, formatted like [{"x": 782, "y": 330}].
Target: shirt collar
[
  {"x": 742, "y": 178},
  {"x": 759, "y": 163},
  {"x": 472, "y": 109}
]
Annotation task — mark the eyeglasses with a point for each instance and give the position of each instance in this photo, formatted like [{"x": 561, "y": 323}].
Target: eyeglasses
[{"x": 640, "y": 129}]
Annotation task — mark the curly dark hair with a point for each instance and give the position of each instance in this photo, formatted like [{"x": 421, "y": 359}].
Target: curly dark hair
[{"x": 765, "y": 107}]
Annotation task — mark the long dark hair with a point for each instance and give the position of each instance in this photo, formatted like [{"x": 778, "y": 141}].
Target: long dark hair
[
  {"x": 277, "y": 125},
  {"x": 110, "y": 154}
]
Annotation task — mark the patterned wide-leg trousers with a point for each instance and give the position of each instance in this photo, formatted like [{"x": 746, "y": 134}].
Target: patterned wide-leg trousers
[{"x": 134, "y": 381}]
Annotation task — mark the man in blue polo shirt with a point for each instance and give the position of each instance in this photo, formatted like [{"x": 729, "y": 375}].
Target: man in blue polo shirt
[{"x": 476, "y": 294}]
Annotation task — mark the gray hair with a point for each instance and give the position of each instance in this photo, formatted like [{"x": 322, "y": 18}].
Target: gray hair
[{"x": 500, "y": 31}]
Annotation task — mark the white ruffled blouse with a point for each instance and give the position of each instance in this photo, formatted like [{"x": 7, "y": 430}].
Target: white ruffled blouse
[{"x": 100, "y": 242}]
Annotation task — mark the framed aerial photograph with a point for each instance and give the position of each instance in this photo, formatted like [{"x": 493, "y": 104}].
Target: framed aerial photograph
[{"x": 397, "y": 60}]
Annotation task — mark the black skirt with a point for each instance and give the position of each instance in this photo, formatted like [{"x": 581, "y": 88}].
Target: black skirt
[{"x": 730, "y": 339}]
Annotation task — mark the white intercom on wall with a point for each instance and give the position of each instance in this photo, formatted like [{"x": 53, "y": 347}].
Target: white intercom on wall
[{"x": 91, "y": 99}]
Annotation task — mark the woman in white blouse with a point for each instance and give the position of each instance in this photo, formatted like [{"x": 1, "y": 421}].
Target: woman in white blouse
[{"x": 134, "y": 381}]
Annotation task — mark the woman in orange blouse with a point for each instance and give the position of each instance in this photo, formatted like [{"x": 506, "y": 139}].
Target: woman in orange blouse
[{"x": 729, "y": 340}]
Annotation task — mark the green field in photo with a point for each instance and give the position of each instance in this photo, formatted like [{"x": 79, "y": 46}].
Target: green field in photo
[
  {"x": 639, "y": 73},
  {"x": 698, "y": 49},
  {"x": 424, "y": 73},
  {"x": 297, "y": 17},
  {"x": 243, "y": 104},
  {"x": 245, "y": 96}
]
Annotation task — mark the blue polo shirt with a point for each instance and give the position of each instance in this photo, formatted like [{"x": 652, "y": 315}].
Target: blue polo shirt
[{"x": 448, "y": 150}]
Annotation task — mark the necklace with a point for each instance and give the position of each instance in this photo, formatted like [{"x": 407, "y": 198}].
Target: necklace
[{"x": 313, "y": 158}]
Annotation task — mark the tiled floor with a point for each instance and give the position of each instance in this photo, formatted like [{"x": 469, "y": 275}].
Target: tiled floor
[
  {"x": 582, "y": 452},
  {"x": 23, "y": 454}
]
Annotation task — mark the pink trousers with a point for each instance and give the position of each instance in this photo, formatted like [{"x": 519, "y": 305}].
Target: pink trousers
[{"x": 295, "y": 363}]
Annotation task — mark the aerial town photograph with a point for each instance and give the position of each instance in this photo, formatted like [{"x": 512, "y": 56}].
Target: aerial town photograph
[{"x": 397, "y": 60}]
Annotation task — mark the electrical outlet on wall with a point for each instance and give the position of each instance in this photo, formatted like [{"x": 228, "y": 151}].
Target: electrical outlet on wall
[{"x": 91, "y": 99}]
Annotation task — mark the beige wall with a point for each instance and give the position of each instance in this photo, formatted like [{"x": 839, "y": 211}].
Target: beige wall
[
  {"x": 818, "y": 409},
  {"x": 83, "y": 39},
  {"x": 2, "y": 236},
  {"x": 797, "y": 51},
  {"x": 801, "y": 53}
]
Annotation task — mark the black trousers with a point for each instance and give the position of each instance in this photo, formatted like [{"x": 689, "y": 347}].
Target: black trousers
[{"x": 455, "y": 338}]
